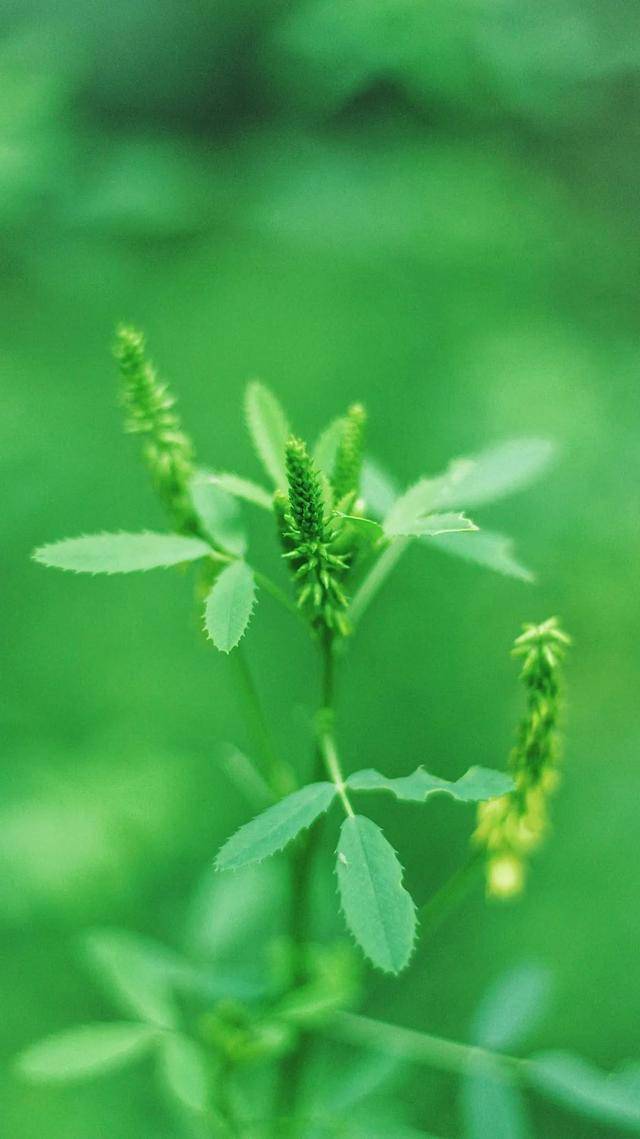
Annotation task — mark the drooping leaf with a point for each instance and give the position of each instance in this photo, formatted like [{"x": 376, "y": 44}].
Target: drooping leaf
[
  {"x": 379, "y": 911},
  {"x": 243, "y": 488},
  {"x": 219, "y": 514},
  {"x": 492, "y": 1108},
  {"x": 379, "y": 489},
  {"x": 326, "y": 446},
  {"x": 511, "y": 1008},
  {"x": 85, "y": 1051},
  {"x": 139, "y": 973},
  {"x": 487, "y": 548},
  {"x": 275, "y": 827},
  {"x": 121, "y": 553},
  {"x": 229, "y": 606},
  {"x": 477, "y": 784},
  {"x": 269, "y": 430},
  {"x": 573, "y": 1082},
  {"x": 419, "y": 525},
  {"x": 184, "y": 1068}
]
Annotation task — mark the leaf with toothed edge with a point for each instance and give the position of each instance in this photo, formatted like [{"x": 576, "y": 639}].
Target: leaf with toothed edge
[
  {"x": 487, "y": 548},
  {"x": 269, "y": 430},
  {"x": 229, "y": 606},
  {"x": 270, "y": 831},
  {"x": 246, "y": 489},
  {"x": 378, "y": 910},
  {"x": 121, "y": 553},
  {"x": 476, "y": 785},
  {"x": 421, "y": 525}
]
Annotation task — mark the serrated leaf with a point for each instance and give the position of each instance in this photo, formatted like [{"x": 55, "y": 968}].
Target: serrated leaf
[
  {"x": 409, "y": 525},
  {"x": 379, "y": 488},
  {"x": 476, "y": 785},
  {"x": 269, "y": 430},
  {"x": 275, "y": 827},
  {"x": 121, "y": 553},
  {"x": 85, "y": 1051},
  {"x": 379, "y": 911},
  {"x": 229, "y": 606},
  {"x": 138, "y": 973},
  {"x": 573, "y": 1082},
  {"x": 370, "y": 530},
  {"x": 218, "y": 513},
  {"x": 511, "y": 1008},
  {"x": 184, "y": 1068},
  {"x": 243, "y": 488},
  {"x": 326, "y": 447},
  {"x": 486, "y": 548},
  {"x": 492, "y": 1108}
]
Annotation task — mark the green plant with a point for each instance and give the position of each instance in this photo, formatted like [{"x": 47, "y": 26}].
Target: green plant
[{"x": 342, "y": 529}]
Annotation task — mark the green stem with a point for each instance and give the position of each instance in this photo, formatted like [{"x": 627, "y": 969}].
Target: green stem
[
  {"x": 334, "y": 770},
  {"x": 278, "y": 594},
  {"x": 278, "y": 774},
  {"x": 449, "y": 896},
  {"x": 376, "y": 578}
]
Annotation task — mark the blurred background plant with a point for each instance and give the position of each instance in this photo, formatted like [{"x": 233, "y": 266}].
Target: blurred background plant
[{"x": 427, "y": 207}]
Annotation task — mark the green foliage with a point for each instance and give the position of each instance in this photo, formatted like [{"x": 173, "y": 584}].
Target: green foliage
[
  {"x": 378, "y": 910},
  {"x": 492, "y": 1108},
  {"x": 275, "y": 827},
  {"x": 138, "y": 974},
  {"x": 229, "y": 606},
  {"x": 86, "y": 1051},
  {"x": 269, "y": 430},
  {"x": 243, "y": 488},
  {"x": 184, "y": 1066},
  {"x": 512, "y": 1008},
  {"x": 347, "y": 465},
  {"x": 476, "y": 785},
  {"x": 413, "y": 522},
  {"x": 489, "y": 549},
  {"x": 571, "y": 1081},
  {"x": 121, "y": 553},
  {"x": 218, "y": 514}
]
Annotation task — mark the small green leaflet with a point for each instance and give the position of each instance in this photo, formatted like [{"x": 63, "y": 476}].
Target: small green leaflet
[
  {"x": 611, "y": 1097},
  {"x": 379, "y": 489},
  {"x": 492, "y": 1108},
  {"x": 243, "y": 488},
  {"x": 219, "y": 514},
  {"x": 477, "y": 784},
  {"x": 183, "y": 1066},
  {"x": 511, "y": 1008},
  {"x": 409, "y": 525},
  {"x": 121, "y": 553},
  {"x": 85, "y": 1051},
  {"x": 269, "y": 430},
  {"x": 369, "y": 529},
  {"x": 487, "y": 548},
  {"x": 138, "y": 973},
  {"x": 275, "y": 827},
  {"x": 379, "y": 911},
  {"x": 229, "y": 606}
]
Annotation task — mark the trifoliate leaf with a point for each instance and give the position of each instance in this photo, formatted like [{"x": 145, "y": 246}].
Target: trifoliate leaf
[
  {"x": 326, "y": 446},
  {"x": 573, "y": 1082},
  {"x": 492, "y": 1108},
  {"x": 183, "y": 1065},
  {"x": 486, "y": 548},
  {"x": 243, "y": 488},
  {"x": 427, "y": 525},
  {"x": 85, "y": 1051},
  {"x": 269, "y": 430},
  {"x": 477, "y": 784},
  {"x": 139, "y": 973},
  {"x": 229, "y": 606},
  {"x": 275, "y": 827},
  {"x": 379, "y": 911},
  {"x": 218, "y": 513},
  {"x": 511, "y": 1008},
  {"x": 121, "y": 553}
]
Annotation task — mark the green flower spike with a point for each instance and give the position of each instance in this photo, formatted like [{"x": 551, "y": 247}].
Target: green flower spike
[
  {"x": 348, "y": 462},
  {"x": 512, "y": 827}
]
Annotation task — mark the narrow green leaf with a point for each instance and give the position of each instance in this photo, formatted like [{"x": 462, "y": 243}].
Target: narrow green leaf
[
  {"x": 492, "y": 1108},
  {"x": 184, "y": 1068},
  {"x": 379, "y": 911},
  {"x": 138, "y": 973},
  {"x": 218, "y": 513},
  {"x": 269, "y": 430},
  {"x": 379, "y": 488},
  {"x": 121, "y": 553},
  {"x": 511, "y": 1008},
  {"x": 486, "y": 548},
  {"x": 418, "y": 525},
  {"x": 573, "y": 1082},
  {"x": 85, "y": 1051},
  {"x": 326, "y": 447},
  {"x": 229, "y": 606},
  {"x": 275, "y": 827},
  {"x": 369, "y": 529},
  {"x": 477, "y": 784},
  {"x": 243, "y": 488}
]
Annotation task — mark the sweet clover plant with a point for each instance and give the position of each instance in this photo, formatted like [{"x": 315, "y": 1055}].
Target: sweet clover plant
[{"x": 233, "y": 1038}]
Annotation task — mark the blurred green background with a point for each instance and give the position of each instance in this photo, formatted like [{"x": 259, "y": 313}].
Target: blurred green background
[{"x": 428, "y": 206}]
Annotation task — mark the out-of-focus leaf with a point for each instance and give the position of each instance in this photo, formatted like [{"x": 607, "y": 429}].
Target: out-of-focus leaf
[
  {"x": 379, "y": 911},
  {"x": 487, "y": 548},
  {"x": 512, "y": 1007},
  {"x": 219, "y": 514},
  {"x": 270, "y": 831},
  {"x": 121, "y": 553},
  {"x": 184, "y": 1068},
  {"x": 476, "y": 785},
  {"x": 492, "y": 1108},
  {"x": 229, "y": 606},
  {"x": 85, "y": 1051},
  {"x": 404, "y": 524},
  {"x": 230, "y": 915},
  {"x": 366, "y": 527},
  {"x": 576, "y": 1084},
  {"x": 138, "y": 972},
  {"x": 379, "y": 489},
  {"x": 243, "y": 488},
  {"x": 269, "y": 430},
  {"x": 326, "y": 447}
]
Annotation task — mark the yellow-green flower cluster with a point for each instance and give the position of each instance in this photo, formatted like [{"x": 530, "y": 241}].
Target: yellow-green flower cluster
[
  {"x": 150, "y": 412},
  {"x": 511, "y": 828},
  {"x": 307, "y": 536}
]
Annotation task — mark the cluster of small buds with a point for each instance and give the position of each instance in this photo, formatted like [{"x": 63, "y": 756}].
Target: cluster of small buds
[
  {"x": 307, "y": 536},
  {"x": 348, "y": 461},
  {"x": 150, "y": 412},
  {"x": 512, "y": 827}
]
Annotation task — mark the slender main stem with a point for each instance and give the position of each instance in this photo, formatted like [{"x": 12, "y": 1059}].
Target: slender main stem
[
  {"x": 278, "y": 774},
  {"x": 376, "y": 578}
]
